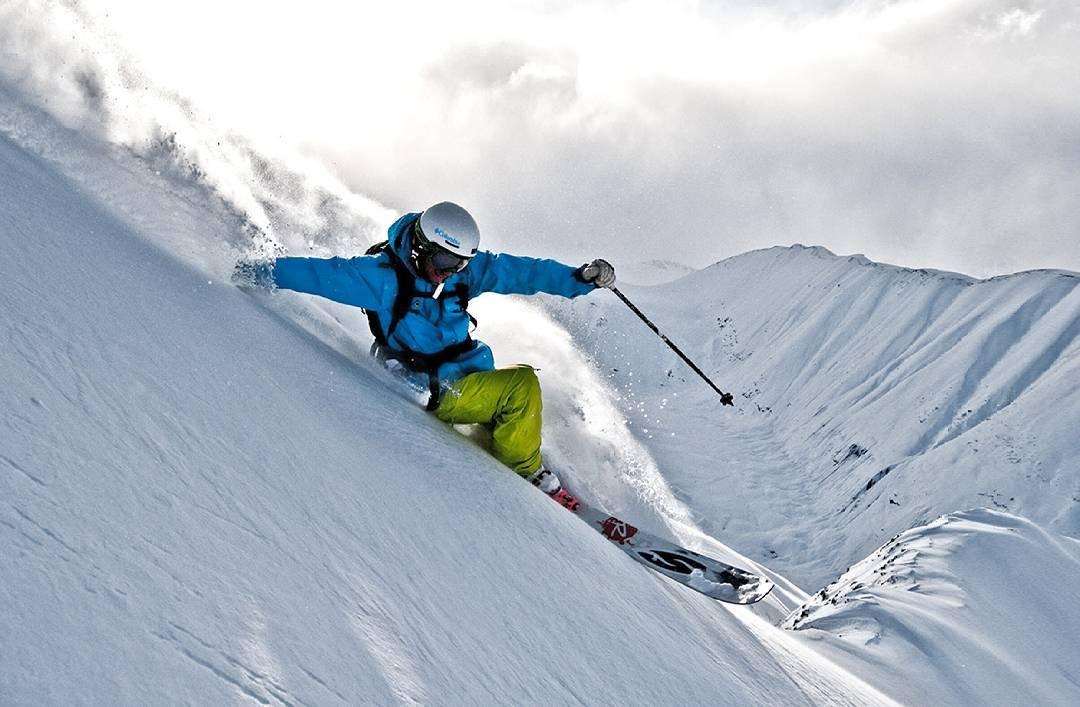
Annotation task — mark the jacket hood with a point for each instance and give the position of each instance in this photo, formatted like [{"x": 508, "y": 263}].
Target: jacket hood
[{"x": 401, "y": 241}]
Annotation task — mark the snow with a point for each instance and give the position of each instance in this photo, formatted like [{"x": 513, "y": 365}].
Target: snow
[
  {"x": 214, "y": 496},
  {"x": 703, "y": 584},
  {"x": 205, "y": 503},
  {"x": 974, "y": 589},
  {"x": 871, "y": 398}
]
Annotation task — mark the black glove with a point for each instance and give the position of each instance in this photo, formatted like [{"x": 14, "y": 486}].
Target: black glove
[{"x": 598, "y": 273}]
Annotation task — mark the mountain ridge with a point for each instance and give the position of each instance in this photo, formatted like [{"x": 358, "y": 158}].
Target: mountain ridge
[
  {"x": 864, "y": 374},
  {"x": 823, "y": 252}
]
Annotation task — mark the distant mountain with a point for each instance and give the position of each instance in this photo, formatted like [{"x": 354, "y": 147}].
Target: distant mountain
[{"x": 870, "y": 398}]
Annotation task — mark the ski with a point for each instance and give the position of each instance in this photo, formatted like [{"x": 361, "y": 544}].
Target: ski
[{"x": 709, "y": 576}]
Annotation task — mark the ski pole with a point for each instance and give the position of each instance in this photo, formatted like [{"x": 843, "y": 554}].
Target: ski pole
[{"x": 725, "y": 398}]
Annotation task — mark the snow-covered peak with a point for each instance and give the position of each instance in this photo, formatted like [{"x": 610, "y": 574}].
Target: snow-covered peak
[
  {"x": 798, "y": 253},
  {"x": 882, "y": 396}
]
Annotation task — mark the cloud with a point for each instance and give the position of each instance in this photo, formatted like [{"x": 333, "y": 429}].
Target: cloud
[{"x": 940, "y": 133}]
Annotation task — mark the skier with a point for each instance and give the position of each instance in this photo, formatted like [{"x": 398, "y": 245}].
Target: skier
[{"x": 415, "y": 289}]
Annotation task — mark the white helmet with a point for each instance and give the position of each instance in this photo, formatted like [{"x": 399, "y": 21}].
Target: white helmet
[{"x": 449, "y": 226}]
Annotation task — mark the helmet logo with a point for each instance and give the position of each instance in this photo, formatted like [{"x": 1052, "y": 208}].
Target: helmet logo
[{"x": 447, "y": 237}]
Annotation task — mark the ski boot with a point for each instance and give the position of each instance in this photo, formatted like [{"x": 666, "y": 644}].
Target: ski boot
[{"x": 547, "y": 482}]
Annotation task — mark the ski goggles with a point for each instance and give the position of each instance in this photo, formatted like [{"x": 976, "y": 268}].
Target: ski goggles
[{"x": 442, "y": 260}]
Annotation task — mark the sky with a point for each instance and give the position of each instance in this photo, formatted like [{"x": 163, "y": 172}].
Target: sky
[{"x": 926, "y": 133}]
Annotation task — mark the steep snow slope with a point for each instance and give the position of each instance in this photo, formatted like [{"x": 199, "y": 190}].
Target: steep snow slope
[
  {"x": 871, "y": 398},
  {"x": 989, "y": 597},
  {"x": 203, "y": 503}
]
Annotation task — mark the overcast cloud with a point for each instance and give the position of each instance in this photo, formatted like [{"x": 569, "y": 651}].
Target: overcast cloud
[
  {"x": 928, "y": 133},
  {"x": 942, "y": 134}
]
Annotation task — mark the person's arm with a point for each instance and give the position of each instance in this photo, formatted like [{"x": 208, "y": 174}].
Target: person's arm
[
  {"x": 520, "y": 275},
  {"x": 362, "y": 282}
]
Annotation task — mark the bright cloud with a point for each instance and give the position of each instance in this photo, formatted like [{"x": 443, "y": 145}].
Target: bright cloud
[{"x": 940, "y": 133}]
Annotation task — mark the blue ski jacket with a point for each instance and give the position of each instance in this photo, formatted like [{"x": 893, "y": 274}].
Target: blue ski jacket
[{"x": 431, "y": 325}]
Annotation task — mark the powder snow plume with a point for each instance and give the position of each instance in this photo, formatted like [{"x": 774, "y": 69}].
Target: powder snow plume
[{"x": 62, "y": 59}]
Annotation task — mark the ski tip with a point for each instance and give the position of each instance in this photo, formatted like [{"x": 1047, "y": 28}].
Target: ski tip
[
  {"x": 761, "y": 591},
  {"x": 732, "y": 585}
]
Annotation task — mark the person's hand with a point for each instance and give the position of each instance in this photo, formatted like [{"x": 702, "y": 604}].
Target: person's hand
[{"x": 598, "y": 273}]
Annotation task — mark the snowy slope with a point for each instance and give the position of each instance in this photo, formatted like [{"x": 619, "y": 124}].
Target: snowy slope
[
  {"x": 204, "y": 503},
  {"x": 871, "y": 399},
  {"x": 211, "y": 496},
  {"x": 988, "y": 597}
]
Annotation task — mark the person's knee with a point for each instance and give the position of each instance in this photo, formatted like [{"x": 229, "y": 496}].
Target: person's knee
[
  {"x": 527, "y": 374},
  {"x": 525, "y": 386}
]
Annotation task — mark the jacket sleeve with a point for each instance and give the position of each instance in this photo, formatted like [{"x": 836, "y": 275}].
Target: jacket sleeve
[
  {"x": 361, "y": 282},
  {"x": 519, "y": 275}
]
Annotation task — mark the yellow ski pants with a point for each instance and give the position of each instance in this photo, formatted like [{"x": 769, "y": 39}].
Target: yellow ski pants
[{"x": 507, "y": 399}]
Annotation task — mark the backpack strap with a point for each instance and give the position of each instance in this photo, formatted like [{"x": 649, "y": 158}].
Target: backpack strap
[
  {"x": 406, "y": 290},
  {"x": 461, "y": 292}
]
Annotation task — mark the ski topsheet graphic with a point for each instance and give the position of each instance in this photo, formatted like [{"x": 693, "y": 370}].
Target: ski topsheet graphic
[{"x": 709, "y": 576}]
